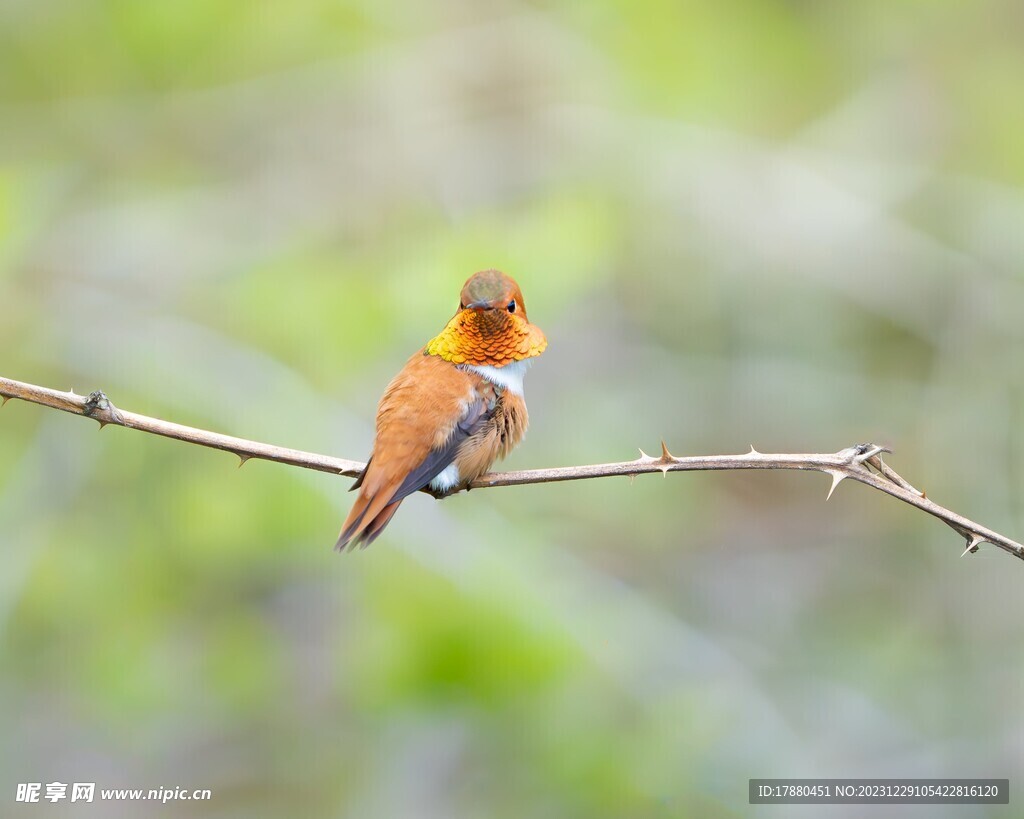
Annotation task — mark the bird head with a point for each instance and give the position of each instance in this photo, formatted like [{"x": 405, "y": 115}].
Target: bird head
[{"x": 490, "y": 327}]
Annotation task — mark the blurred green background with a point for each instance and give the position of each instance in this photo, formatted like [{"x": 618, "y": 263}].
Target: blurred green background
[{"x": 789, "y": 224}]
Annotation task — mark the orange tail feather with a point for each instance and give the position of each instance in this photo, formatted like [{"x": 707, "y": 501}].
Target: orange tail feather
[
  {"x": 372, "y": 532},
  {"x": 366, "y": 520}
]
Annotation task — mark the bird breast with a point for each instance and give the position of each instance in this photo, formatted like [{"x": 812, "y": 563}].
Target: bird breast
[{"x": 495, "y": 439}]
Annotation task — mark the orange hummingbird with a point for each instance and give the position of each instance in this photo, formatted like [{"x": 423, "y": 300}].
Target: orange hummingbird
[{"x": 455, "y": 407}]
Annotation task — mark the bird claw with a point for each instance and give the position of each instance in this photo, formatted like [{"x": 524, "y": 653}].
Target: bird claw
[{"x": 441, "y": 494}]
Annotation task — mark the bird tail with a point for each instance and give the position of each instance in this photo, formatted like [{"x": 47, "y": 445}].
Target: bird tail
[{"x": 366, "y": 521}]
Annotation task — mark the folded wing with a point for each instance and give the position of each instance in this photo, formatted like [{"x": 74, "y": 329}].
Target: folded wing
[{"x": 430, "y": 409}]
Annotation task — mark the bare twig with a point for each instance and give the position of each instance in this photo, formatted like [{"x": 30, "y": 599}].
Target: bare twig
[
  {"x": 862, "y": 463},
  {"x": 98, "y": 407}
]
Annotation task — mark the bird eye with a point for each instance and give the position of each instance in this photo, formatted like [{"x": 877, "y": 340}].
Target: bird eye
[
  {"x": 462, "y": 306},
  {"x": 512, "y": 306}
]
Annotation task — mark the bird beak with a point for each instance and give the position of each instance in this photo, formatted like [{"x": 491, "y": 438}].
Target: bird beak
[{"x": 478, "y": 305}]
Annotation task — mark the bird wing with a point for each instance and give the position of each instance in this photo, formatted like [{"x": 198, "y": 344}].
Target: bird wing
[
  {"x": 477, "y": 414},
  {"x": 430, "y": 408}
]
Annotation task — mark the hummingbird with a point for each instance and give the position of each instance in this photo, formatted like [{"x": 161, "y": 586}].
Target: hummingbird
[{"x": 455, "y": 407}]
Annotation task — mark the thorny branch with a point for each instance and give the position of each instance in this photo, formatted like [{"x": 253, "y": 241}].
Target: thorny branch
[{"x": 862, "y": 463}]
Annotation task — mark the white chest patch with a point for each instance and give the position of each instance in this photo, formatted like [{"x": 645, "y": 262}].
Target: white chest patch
[{"x": 510, "y": 376}]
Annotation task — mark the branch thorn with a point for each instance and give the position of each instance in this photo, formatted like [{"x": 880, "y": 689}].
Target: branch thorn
[
  {"x": 665, "y": 459},
  {"x": 753, "y": 451},
  {"x": 645, "y": 458},
  {"x": 837, "y": 478},
  {"x": 242, "y": 459},
  {"x": 973, "y": 544}
]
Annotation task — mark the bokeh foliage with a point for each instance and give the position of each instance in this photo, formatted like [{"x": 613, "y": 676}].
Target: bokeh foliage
[{"x": 791, "y": 224}]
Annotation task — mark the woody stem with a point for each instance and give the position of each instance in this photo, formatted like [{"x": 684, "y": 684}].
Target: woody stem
[{"x": 862, "y": 463}]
